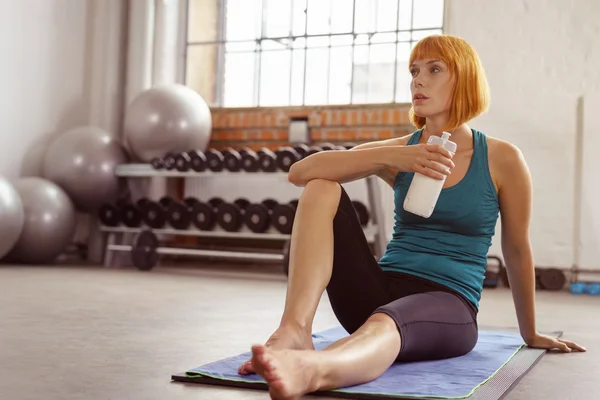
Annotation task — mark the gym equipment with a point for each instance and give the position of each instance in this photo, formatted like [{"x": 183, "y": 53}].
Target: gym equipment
[
  {"x": 154, "y": 214},
  {"x": 49, "y": 222},
  {"x": 493, "y": 271},
  {"x": 327, "y": 146},
  {"x": 179, "y": 215},
  {"x": 257, "y": 216},
  {"x": 82, "y": 162},
  {"x": 313, "y": 150},
  {"x": 12, "y": 216},
  {"x": 198, "y": 161},
  {"x": 230, "y": 215},
  {"x": 578, "y": 287},
  {"x": 131, "y": 214},
  {"x": 169, "y": 161},
  {"x": 157, "y": 163},
  {"x": 232, "y": 160},
  {"x": 267, "y": 160},
  {"x": 286, "y": 157},
  {"x": 349, "y": 145},
  {"x": 593, "y": 289},
  {"x": 215, "y": 160},
  {"x": 362, "y": 212},
  {"x": 282, "y": 217},
  {"x": 496, "y": 365},
  {"x": 250, "y": 160},
  {"x": 109, "y": 214},
  {"x": 143, "y": 253},
  {"x": 301, "y": 149},
  {"x": 167, "y": 118},
  {"x": 182, "y": 162},
  {"x": 552, "y": 279}
]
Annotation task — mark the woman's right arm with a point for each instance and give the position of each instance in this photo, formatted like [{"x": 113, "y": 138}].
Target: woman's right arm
[{"x": 382, "y": 158}]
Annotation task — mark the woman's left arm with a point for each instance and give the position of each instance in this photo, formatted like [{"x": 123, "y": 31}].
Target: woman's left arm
[{"x": 515, "y": 197}]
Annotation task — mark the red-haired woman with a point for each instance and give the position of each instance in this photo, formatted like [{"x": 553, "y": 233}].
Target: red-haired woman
[{"x": 420, "y": 300}]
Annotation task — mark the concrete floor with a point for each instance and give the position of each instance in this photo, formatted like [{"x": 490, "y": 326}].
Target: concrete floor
[{"x": 91, "y": 333}]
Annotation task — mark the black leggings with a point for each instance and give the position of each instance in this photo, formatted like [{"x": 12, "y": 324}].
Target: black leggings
[{"x": 434, "y": 322}]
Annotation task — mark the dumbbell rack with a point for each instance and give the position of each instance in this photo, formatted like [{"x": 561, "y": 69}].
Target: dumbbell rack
[{"x": 374, "y": 231}]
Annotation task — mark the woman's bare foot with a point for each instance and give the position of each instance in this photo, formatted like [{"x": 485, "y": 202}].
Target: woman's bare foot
[
  {"x": 285, "y": 337},
  {"x": 289, "y": 373}
]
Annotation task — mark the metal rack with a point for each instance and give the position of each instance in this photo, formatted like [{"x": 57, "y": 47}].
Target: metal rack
[{"x": 119, "y": 239}]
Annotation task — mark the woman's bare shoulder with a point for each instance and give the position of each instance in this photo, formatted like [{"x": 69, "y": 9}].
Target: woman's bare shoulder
[{"x": 503, "y": 156}]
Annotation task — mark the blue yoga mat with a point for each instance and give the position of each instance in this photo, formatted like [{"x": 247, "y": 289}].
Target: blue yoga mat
[{"x": 447, "y": 379}]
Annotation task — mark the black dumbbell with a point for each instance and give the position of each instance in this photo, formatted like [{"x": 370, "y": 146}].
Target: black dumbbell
[
  {"x": 258, "y": 215},
  {"x": 327, "y": 146},
  {"x": 282, "y": 217},
  {"x": 215, "y": 160},
  {"x": 267, "y": 160},
  {"x": 109, "y": 214},
  {"x": 250, "y": 160},
  {"x": 154, "y": 213},
  {"x": 198, "y": 161},
  {"x": 183, "y": 162},
  {"x": 362, "y": 212},
  {"x": 286, "y": 157},
  {"x": 339, "y": 147},
  {"x": 313, "y": 150},
  {"x": 157, "y": 163},
  {"x": 131, "y": 213},
  {"x": 349, "y": 145},
  {"x": 301, "y": 149},
  {"x": 232, "y": 160},
  {"x": 179, "y": 215},
  {"x": 169, "y": 161},
  {"x": 203, "y": 214},
  {"x": 230, "y": 216}
]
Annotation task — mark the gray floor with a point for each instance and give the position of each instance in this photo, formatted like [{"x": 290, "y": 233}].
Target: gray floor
[{"x": 90, "y": 333}]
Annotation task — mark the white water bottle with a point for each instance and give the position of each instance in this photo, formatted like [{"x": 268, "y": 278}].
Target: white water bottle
[{"x": 424, "y": 191}]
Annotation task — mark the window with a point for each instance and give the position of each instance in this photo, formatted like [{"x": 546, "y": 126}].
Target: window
[{"x": 249, "y": 53}]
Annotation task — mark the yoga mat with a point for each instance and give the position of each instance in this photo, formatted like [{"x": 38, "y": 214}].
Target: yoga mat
[{"x": 496, "y": 364}]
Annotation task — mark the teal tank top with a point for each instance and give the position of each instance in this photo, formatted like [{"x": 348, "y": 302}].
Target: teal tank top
[{"x": 451, "y": 246}]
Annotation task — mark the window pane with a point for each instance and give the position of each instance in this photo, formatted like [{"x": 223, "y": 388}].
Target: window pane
[
  {"x": 405, "y": 14},
  {"x": 318, "y": 16},
  {"x": 203, "y": 21},
  {"x": 299, "y": 10},
  {"x": 384, "y": 38},
  {"x": 404, "y": 36},
  {"x": 428, "y": 14},
  {"x": 381, "y": 73},
  {"x": 341, "y": 16},
  {"x": 238, "y": 85},
  {"x": 319, "y": 41},
  {"x": 278, "y": 17},
  {"x": 297, "y": 84},
  {"x": 243, "y": 19},
  {"x": 360, "y": 76},
  {"x": 201, "y": 70},
  {"x": 403, "y": 77},
  {"x": 340, "y": 75},
  {"x": 418, "y": 35},
  {"x": 387, "y": 11},
  {"x": 341, "y": 40},
  {"x": 364, "y": 16},
  {"x": 274, "y": 44},
  {"x": 275, "y": 78},
  {"x": 240, "y": 46},
  {"x": 316, "y": 76},
  {"x": 299, "y": 43}
]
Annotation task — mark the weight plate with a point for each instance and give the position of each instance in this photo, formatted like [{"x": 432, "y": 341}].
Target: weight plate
[
  {"x": 313, "y": 150},
  {"x": 203, "y": 216},
  {"x": 283, "y": 218},
  {"x": 165, "y": 201},
  {"x": 301, "y": 149},
  {"x": 294, "y": 203},
  {"x": 232, "y": 160},
  {"x": 362, "y": 212},
  {"x": 178, "y": 215},
  {"x": 144, "y": 253},
  {"x": 349, "y": 145},
  {"x": 256, "y": 218},
  {"x": 215, "y": 160},
  {"x": 552, "y": 279},
  {"x": 131, "y": 216},
  {"x": 154, "y": 215},
  {"x": 190, "y": 201},
  {"x": 198, "y": 161},
  {"x": 270, "y": 203},
  {"x": 229, "y": 217},
  {"x": 215, "y": 201},
  {"x": 169, "y": 161},
  {"x": 182, "y": 162},
  {"x": 108, "y": 214},
  {"x": 142, "y": 202},
  {"x": 267, "y": 160},
  {"x": 242, "y": 203},
  {"x": 250, "y": 161},
  {"x": 327, "y": 146},
  {"x": 286, "y": 157},
  {"x": 157, "y": 163}
]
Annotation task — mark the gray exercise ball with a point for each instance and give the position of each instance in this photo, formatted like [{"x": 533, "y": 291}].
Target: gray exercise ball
[
  {"x": 49, "y": 226},
  {"x": 82, "y": 161},
  {"x": 12, "y": 216},
  {"x": 168, "y": 118}
]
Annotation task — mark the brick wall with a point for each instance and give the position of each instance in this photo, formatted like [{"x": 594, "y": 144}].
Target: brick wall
[{"x": 268, "y": 127}]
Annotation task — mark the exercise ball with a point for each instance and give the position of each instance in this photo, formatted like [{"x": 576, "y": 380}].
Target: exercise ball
[
  {"x": 167, "y": 118},
  {"x": 12, "y": 216},
  {"x": 82, "y": 162},
  {"x": 49, "y": 223}
]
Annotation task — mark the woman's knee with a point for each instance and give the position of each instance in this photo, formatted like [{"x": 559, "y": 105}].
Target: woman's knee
[{"x": 321, "y": 192}]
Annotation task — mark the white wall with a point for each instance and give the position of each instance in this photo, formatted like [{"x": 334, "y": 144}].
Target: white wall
[
  {"x": 540, "y": 56},
  {"x": 42, "y": 76}
]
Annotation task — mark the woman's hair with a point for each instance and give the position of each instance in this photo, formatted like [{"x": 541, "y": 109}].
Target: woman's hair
[{"x": 470, "y": 96}]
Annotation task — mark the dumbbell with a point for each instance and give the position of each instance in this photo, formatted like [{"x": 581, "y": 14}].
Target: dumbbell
[
  {"x": 154, "y": 213},
  {"x": 198, "y": 161},
  {"x": 183, "y": 162},
  {"x": 313, "y": 150},
  {"x": 169, "y": 161},
  {"x": 362, "y": 212},
  {"x": 215, "y": 160},
  {"x": 258, "y": 215},
  {"x": 282, "y": 216},
  {"x": 109, "y": 214},
  {"x": 232, "y": 160},
  {"x": 131, "y": 214},
  {"x": 250, "y": 160},
  {"x": 286, "y": 157},
  {"x": 230, "y": 216},
  {"x": 267, "y": 160},
  {"x": 349, "y": 145},
  {"x": 203, "y": 214},
  {"x": 179, "y": 214},
  {"x": 301, "y": 149},
  {"x": 327, "y": 146},
  {"x": 157, "y": 163}
]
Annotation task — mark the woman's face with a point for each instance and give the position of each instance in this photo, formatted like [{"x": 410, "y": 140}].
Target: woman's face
[{"x": 431, "y": 87}]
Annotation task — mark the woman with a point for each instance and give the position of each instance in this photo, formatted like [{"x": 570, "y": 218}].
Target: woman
[{"x": 420, "y": 301}]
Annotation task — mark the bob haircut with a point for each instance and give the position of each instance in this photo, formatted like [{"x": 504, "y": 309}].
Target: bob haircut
[{"x": 470, "y": 96}]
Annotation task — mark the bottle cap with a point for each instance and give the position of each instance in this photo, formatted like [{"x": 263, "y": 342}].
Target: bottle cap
[{"x": 443, "y": 141}]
